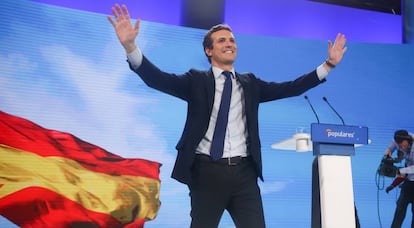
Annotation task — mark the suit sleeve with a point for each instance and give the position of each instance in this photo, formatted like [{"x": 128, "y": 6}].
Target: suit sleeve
[
  {"x": 172, "y": 84},
  {"x": 277, "y": 90}
]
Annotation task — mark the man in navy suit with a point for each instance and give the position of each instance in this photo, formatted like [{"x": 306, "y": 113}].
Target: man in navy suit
[{"x": 229, "y": 182}]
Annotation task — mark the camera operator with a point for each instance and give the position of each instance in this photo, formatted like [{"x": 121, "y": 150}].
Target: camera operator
[{"x": 403, "y": 141}]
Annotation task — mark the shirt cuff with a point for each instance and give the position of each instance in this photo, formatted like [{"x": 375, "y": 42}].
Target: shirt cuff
[
  {"x": 135, "y": 58},
  {"x": 321, "y": 72},
  {"x": 407, "y": 170}
]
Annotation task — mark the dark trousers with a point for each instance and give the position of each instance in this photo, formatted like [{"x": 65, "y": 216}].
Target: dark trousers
[
  {"x": 216, "y": 187},
  {"x": 406, "y": 197}
]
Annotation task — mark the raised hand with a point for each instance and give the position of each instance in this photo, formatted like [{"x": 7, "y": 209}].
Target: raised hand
[
  {"x": 123, "y": 27},
  {"x": 337, "y": 49}
]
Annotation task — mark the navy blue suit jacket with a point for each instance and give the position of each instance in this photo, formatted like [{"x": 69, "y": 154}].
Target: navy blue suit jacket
[{"x": 197, "y": 89}]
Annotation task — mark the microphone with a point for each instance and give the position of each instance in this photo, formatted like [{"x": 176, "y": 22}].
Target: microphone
[
  {"x": 340, "y": 117},
  {"x": 313, "y": 110}
]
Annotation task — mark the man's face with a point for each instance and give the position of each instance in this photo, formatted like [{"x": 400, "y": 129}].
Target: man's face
[
  {"x": 403, "y": 145},
  {"x": 224, "y": 49}
]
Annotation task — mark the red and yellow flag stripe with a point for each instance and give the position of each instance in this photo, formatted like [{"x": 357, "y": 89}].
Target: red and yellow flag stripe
[{"x": 53, "y": 179}]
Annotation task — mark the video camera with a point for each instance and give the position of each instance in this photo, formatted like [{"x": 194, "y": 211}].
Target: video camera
[{"x": 387, "y": 167}]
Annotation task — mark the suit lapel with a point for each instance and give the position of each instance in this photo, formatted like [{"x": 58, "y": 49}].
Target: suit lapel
[
  {"x": 244, "y": 82},
  {"x": 210, "y": 88}
]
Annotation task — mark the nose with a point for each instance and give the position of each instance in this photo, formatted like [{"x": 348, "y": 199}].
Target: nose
[{"x": 229, "y": 41}]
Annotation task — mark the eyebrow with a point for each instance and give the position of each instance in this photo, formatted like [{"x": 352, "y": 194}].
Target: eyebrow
[{"x": 224, "y": 38}]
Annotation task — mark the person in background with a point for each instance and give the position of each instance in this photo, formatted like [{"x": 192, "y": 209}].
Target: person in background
[
  {"x": 403, "y": 143},
  {"x": 219, "y": 152}
]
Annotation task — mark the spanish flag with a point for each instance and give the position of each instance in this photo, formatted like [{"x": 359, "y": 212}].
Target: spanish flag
[{"x": 54, "y": 179}]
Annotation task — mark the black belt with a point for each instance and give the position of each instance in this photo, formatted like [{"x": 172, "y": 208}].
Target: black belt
[{"x": 230, "y": 161}]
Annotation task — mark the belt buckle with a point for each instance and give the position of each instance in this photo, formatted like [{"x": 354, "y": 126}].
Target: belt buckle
[{"x": 229, "y": 162}]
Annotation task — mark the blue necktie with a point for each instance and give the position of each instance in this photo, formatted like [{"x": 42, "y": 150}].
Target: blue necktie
[{"x": 217, "y": 144}]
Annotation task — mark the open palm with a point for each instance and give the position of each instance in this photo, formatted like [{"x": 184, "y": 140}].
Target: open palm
[{"x": 124, "y": 30}]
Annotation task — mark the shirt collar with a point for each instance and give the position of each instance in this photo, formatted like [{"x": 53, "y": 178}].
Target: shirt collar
[{"x": 217, "y": 71}]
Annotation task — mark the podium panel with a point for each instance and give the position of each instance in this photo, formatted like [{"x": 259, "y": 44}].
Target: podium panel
[
  {"x": 334, "y": 139},
  {"x": 332, "y": 187}
]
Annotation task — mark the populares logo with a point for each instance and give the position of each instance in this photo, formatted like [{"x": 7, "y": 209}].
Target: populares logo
[{"x": 341, "y": 134}]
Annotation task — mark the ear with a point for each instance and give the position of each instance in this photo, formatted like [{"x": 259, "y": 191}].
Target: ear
[{"x": 208, "y": 52}]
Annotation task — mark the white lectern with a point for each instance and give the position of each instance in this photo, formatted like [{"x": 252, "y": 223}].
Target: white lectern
[{"x": 332, "y": 188}]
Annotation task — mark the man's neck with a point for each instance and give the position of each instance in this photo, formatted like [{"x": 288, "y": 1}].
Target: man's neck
[{"x": 226, "y": 67}]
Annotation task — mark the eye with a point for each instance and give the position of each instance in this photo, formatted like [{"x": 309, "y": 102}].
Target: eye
[{"x": 221, "y": 40}]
